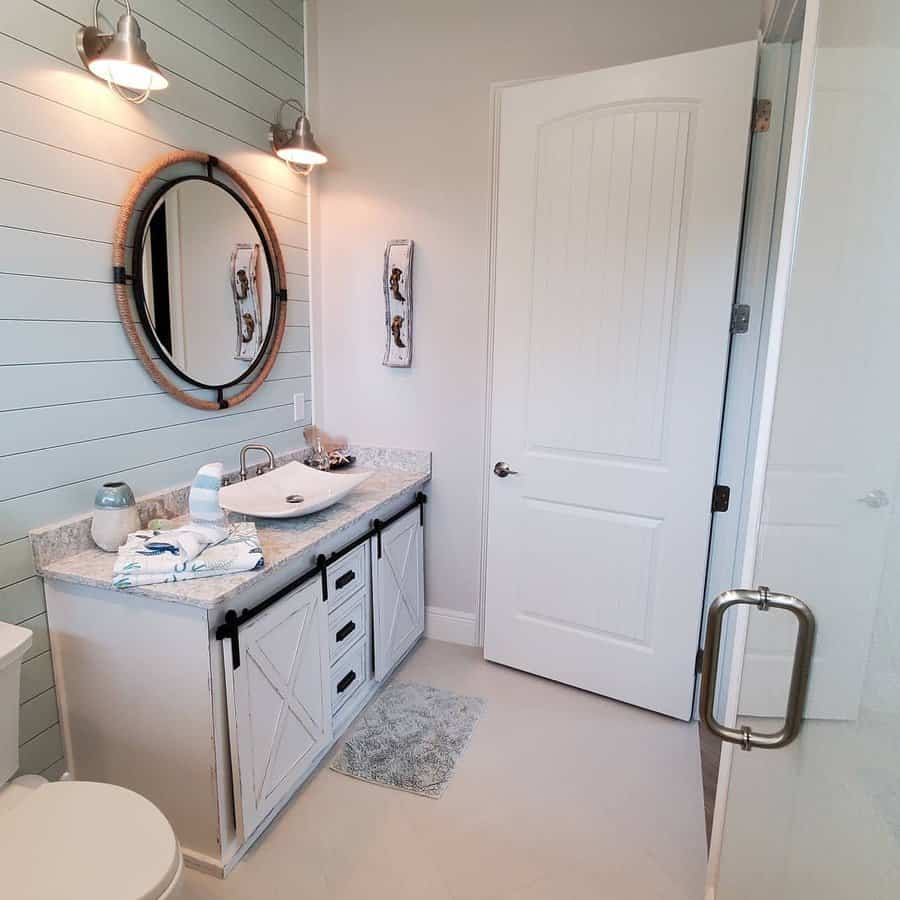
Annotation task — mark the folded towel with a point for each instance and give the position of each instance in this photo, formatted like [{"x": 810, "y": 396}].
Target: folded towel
[
  {"x": 186, "y": 542},
  {"x": 203, "y": 501},
  {"x": 207, "y": 526},
  {"x": 240, "y": 551}
]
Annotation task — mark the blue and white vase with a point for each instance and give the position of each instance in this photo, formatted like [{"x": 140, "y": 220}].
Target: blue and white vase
[{"x": 115, "y": 516}]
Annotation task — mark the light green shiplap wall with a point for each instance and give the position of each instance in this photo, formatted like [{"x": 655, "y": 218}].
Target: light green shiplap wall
[{"x": 75, "y": 406}]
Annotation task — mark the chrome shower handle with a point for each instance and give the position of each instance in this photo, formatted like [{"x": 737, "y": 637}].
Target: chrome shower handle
[{"x": 763, "y": 599}]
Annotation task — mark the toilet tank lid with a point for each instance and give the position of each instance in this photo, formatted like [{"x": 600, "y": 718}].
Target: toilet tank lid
[{"x": 14, "y": 643}]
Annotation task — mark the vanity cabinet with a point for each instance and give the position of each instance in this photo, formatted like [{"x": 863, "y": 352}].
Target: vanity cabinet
[
  {"x": 218, "y": 713},
  {"x": 279, "y": 710}
]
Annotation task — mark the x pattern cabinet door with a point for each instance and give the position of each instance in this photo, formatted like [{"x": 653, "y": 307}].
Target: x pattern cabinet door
[
  {"x": 279, "y": 706},
  {"x": 399, "y": 591}
]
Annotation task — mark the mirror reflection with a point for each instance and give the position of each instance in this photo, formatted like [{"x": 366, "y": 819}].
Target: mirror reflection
[{"x": 206, "y": 283}]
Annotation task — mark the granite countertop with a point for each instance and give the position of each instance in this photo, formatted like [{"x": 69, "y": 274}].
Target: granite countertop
[{"x": 62, "y": 553}]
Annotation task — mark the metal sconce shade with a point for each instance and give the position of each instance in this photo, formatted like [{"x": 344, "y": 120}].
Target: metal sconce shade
[
  {"x": 125, "y": 60},
  {"x": 296, "y": 146},
  {"x": 300, "y": 146},
  {"x": 120, "y": 59}
]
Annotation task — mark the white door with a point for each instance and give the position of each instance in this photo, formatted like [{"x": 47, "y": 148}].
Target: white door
[
  {"x": 398, "y": 590},
  {"x": 820, "y": 818},
  {"x": 279, "y": 706},
  {"x": 618, "y": 219}
]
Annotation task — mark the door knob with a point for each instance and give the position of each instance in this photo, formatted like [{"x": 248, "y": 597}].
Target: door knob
[
  {"x": 502, "y": 470},
  {"x": 876, "y": 499}
]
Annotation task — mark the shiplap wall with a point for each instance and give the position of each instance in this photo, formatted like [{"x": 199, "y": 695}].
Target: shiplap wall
[{"x": 75, "y": 406}]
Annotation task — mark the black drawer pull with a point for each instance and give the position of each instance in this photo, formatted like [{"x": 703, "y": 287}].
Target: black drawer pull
[
  {"x": 349, "y": 628},
  {"x": 345, "y": 579},
  {"x": 346, "y": 681}
]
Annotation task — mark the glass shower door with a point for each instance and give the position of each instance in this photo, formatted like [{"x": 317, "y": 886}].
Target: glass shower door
[{"x": 820, "y": 818}]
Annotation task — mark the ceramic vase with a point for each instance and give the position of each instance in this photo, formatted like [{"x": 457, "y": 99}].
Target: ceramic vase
[{"x": 115, "y": 516}]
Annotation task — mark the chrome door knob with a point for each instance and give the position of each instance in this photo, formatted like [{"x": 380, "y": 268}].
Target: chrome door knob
[
  {"x": 502, "y": 470},
  {"x": 875, "y": 499}
]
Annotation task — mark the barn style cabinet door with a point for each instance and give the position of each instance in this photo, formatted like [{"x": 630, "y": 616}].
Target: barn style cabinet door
[
  {"x": 398, "y": 590},
  {"x": 279, "y": 704}
]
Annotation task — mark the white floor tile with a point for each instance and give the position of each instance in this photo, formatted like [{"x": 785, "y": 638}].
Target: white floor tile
[{"x": 561, "y": 795}]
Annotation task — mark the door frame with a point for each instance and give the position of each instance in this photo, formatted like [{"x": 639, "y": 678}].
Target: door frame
[
  {"x": 764, "y": 200},
  {"x": 758, "y": 450},
  {"x": 496, "y": 96}
]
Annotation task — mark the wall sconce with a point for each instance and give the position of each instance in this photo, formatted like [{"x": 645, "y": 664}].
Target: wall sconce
[
  {"x": 120, "y": 59},
  {"x": 296, "y": 146}
]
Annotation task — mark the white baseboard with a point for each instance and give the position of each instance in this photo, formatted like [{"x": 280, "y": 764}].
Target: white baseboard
[
  {"x": 450, "y": 625},
  {"x": 203, "y": 863}
]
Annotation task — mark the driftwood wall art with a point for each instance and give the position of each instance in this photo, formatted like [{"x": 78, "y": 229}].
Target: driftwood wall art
[
  {"x": 398, "y": 302},
  {"x": 242, "y": 269}
]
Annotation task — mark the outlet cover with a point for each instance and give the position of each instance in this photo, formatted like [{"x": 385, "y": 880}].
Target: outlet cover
[{"x": 299, "y": 407}]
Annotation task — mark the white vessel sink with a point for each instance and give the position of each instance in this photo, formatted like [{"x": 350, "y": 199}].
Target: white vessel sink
[{"x": 289, "y": 491}]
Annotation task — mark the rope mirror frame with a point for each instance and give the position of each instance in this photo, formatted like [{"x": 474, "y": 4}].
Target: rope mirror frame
[{"x": 125, "y": 297}]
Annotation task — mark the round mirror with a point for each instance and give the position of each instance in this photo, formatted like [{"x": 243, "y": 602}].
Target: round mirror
[
  {"x": 198, "y": 260},
  {"x": 204, "y": 281}
]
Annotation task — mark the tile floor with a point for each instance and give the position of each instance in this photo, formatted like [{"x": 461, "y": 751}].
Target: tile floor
[{"x": 561, "y": 795}]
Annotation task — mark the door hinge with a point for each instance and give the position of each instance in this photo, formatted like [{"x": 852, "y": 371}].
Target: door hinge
[
  {"x": 698, "y": 662},
  {"x": 762, "y": 115},
  {"x": 720, "y": 498},
  {"x": 740, "y": 318}
]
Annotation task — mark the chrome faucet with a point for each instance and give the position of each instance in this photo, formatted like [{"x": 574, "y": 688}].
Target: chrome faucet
[{"x": 259, "y": 469}]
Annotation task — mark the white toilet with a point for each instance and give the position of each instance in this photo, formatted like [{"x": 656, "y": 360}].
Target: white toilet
[{"x": 74, "y": 840}]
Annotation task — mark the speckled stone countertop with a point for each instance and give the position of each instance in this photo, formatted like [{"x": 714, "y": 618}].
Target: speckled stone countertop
[{"x": 65, "y": 552}]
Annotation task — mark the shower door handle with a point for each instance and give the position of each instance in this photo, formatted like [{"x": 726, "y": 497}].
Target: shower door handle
[{"x": 764, "y": 600}]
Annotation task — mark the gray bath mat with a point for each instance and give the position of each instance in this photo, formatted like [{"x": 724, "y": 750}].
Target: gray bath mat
[{"x": 410, "y": 738}]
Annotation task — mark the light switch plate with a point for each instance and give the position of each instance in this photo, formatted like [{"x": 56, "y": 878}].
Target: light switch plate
[{"x": 299, "y": 407}]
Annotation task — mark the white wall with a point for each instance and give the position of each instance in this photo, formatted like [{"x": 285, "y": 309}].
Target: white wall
[
  {"x": 75, "y": 406},
  {"x": 400, "y": 97}
]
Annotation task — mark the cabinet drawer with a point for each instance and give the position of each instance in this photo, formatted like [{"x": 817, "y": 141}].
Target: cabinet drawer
[
  {"x": 347, "y": 625},
  {"x": 347, "y": 576},
  {"x": 349, "y": 674}
]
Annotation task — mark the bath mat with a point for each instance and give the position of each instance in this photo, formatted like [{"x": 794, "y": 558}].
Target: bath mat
[{"x": 410, "y": 738}]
